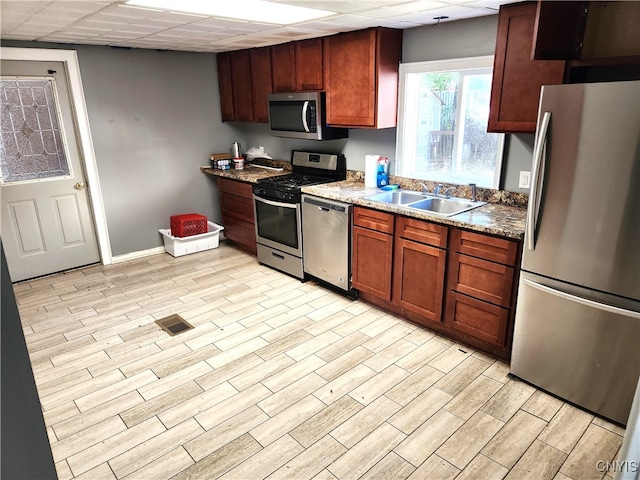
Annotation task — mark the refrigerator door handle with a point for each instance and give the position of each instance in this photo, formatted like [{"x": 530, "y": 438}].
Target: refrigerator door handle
[
  {"x": 583, "y": 301},
  {"x": 535, "y": 195}
]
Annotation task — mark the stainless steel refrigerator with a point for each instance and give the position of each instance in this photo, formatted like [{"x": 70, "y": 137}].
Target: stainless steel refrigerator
[{"x": 577, "y": 327}]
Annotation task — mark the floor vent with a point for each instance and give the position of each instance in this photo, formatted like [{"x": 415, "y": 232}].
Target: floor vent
[{"x": 174, "y": 324}]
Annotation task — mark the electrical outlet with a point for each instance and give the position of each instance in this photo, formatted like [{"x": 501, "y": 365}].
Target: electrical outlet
[{"x": 525, "y": 179}]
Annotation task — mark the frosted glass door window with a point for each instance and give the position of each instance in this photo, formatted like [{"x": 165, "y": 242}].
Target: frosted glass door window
[{"x": 32, "y": 146}]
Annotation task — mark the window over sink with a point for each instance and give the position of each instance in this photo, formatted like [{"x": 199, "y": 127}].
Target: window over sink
[{"x": 442, "y": 123}]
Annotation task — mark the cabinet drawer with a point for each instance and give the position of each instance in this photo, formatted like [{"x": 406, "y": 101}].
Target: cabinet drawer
[
  {"x": 421, "y": 231},
  {"x": 476, "y": 318},
  {"x": 490, "y": 248},
  {"x": 479, "y": 278},
  {"x": 373, "y": 219},
  {"x": 235, "y": 187},
  {"x": 372, "y": 258},
  {"x": 236, "y": 206}
]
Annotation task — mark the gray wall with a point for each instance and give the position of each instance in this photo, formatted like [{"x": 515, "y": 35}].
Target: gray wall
[{"x": 155, "y": 118}]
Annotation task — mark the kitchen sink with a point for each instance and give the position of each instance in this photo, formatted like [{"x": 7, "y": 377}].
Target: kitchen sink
[
  {"x": 414, "y": 200},
  {"x": 395, "y": 197},
  {"x": 445, "y": 206}
]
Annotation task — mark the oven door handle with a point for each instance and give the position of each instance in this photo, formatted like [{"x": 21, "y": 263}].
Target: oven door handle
[{"x": 275, "y": 204}]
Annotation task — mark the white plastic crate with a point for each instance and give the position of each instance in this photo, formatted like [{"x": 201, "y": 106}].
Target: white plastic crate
[{"x": 178, "y": 246}]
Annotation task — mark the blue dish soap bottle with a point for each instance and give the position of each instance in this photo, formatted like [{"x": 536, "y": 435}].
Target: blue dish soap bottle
[{"x": 383, "y": 172}]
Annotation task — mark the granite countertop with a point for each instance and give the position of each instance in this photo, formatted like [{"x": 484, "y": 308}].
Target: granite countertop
[
  {"x": 493, "y": 218},
  {"x": 250, "y": 173}
]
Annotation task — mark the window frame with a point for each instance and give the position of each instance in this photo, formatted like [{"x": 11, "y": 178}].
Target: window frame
[{"x": 454, "y": 64}]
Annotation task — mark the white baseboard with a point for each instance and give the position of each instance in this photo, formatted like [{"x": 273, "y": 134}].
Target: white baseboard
[{"x": 139, "y": 254}]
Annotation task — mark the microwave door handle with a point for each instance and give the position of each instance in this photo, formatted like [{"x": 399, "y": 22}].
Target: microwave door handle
[{"x": 305, "y": 107}]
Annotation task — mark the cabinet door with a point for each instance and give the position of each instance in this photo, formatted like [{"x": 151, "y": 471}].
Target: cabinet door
[
  {"x": 225, "y": 87},
  {"x": 559, "y": 30},
  {"x": 236, "y": 204},
  {"x": 309, "y": 64},
  {"x": 241, "y": 78},
  {"x": 242, "y": 233},
  {"x": 238, "y": 207},
  {"x": 517, "y": 79},
  {"x": 478, "y": 319},
  {"x": 418, "y": 283},
  {"x": 260, "y": 82},
  {"x": 284, "y": 71},
  {"x": 371, "y": 262},
  {"x": 350, "y": 63}
]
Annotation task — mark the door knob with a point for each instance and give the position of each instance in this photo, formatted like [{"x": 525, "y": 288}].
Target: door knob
[{"x": 79, "y": 186}]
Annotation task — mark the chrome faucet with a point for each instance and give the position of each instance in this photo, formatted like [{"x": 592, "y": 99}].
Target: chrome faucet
[
  {"x": 425, "y": 189},
  {"x": 445, "y": 194},
  {"x": 473, "y": 192}
]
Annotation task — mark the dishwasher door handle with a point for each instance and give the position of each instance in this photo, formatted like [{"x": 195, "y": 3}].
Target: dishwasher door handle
[{"x": 324, "y": 206}]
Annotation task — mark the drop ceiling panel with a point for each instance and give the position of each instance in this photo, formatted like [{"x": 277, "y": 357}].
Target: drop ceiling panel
[{"x": 109, "y": 22}]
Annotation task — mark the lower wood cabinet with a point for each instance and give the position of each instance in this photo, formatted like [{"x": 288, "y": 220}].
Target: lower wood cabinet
[
  {"x": 236, "y": 203},
  {"x": 460, "y": 283},
  {"x": 372, "y": 252},
  {"x": 419, "y": 267},
  {"x": 372, "y": 256},
  {"x": 418, "y": 278},
  {"x": 480, "y": 289}
]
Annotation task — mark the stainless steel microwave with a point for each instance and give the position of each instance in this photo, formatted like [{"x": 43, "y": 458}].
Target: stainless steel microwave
[{"x": 301, "y": 115}]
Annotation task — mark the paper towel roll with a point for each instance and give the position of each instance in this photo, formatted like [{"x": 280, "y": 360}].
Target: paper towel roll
[{"x": 370, "y": 170}]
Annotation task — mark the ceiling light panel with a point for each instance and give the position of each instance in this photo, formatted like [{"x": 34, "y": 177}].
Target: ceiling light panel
[{"x": 251, "y": 10}]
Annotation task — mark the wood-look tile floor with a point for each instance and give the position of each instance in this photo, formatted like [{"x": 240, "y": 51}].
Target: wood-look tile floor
[{"x": 278, "y": 379}]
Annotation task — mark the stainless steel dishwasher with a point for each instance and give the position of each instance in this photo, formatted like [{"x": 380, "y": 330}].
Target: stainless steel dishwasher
[{"x": 326, "y": 241}]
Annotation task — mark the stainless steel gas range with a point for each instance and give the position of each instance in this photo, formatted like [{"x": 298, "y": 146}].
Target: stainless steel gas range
[{"x": 277, "y": 202}]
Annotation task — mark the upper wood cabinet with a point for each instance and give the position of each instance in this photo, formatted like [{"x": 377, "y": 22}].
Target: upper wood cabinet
[
  {"x": 260, "y": 82},
  {"x": 358, "y": 71},
  {"x": 361, "y": 77},
  {"x": 517, "y": 79},
  {"x": 586, "y": 30},
  {"x": 283, "y": 61},
  {"x": 309, "y": 64},
  {"x": 241, "y": 80},
  {"x": 225, "y": 86},
  {"x": 298, "y": 66},
  {"x": 559, "y": 30},
  {"x": 244, "y": 79}
]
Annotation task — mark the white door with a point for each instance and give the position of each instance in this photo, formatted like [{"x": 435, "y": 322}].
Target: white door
[{"x": 46, "y": 220}]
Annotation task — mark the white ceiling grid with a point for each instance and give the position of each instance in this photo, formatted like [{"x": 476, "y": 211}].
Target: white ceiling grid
[{"x": 109, "y": 22}]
